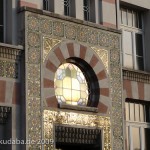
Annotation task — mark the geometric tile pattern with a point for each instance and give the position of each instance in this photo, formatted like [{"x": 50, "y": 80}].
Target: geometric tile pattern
[
  {"x": 60, "y": 30},
  {"x": 9, "y": 69}
]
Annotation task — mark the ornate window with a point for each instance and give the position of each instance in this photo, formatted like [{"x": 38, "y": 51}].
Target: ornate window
[
  {"x": 132, "y": 39},
  {"x": 137, "y": 124},
  {"x": 71, "y": 85}
]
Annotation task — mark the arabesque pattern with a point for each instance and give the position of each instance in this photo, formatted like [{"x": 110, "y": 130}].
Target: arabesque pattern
[
  {"x": 39, "y": 26},
  {"x": 77, "y": 119}
]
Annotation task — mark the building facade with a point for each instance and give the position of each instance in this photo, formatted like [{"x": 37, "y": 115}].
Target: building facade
[{"x": 74, "y": 74}]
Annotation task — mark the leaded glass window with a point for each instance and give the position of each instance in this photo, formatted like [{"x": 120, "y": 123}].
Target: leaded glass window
[{"x": 71, "y": 85}]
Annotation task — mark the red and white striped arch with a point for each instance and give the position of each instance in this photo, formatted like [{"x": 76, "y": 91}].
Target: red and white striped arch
[{"x": 58, "y": 55}]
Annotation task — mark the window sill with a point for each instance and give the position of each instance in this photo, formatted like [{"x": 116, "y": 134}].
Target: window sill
[{"x": 78, "y": 108}]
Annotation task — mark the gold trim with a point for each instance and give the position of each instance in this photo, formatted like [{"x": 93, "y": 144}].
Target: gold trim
[
  {"x": 48, "y": 44},
  {"x": 78, "y": 119}
]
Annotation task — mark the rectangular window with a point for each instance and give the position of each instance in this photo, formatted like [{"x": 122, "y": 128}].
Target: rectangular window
[
  {"x": 131, "y": 18},
  {"x": 86, "y": 9},
  {"x": 137, "y": 124},
  {"x": 67, "y": 7},
  {"x": 1, "y": 21},
  {"x": 48, "y": 5},
  {"x": 136, "y": 111},
  {"x": 132, "y": 40}
]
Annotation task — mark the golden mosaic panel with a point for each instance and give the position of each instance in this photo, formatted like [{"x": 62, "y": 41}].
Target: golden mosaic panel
[
  {"x": 103, "y": 55},
  {"x": 48, "y": 44},
  {"x": 76, "y": 119}
]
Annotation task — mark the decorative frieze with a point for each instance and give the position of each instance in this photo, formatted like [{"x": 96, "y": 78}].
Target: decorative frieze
[
  {"x": 10, "y": 53},
  {"x": 136, "y": 76},
  {"x": 78, "y": 120}
]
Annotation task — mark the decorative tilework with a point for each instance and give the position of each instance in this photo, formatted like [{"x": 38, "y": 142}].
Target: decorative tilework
[
  {"x": 34, "y": 56},
  {"x": 48, "y": 44},
  {"x": 58, "y": 28},
  {"x": 33, "y": 71},
  {"x": 2, "y": 68},
  {"x": 95, "y": 37},
  {"x": 33, "y": 88},
  {"x": 82, "y": 34},
  {"x": 46, "y": 26},
  {"x": 104, "y": 39},
  {"x": 33, "y": 23},
  {"x": 78, "y": 119},
  {"x": 70, "y": 31},
  {"x": 33, "y": 60},
  {"x": 33, "y": 39},
  {"x": 103, "y": 55},
  {"x": 9, "y": 69}
]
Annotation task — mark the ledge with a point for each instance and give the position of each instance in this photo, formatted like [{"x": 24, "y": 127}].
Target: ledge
[
  {"x": 134, "y": 75},
  {"x": 67, "y": 18},
  {"x": 78, "y": 108},
  {"x": 10, "y": 51}
]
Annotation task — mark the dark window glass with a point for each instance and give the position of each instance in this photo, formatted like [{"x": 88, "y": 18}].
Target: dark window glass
[
  {"x": 147, "y": 111},
  {"x": 147, "y": 139},
  {"x": 86, "y": 8},
  {"x": 67, "y": 7},
  {"x": 45, "y": 4},
  {"x": 1, "y": 21},
  {"x": 140, "y": 63},
  {"x": 1, "y": 33},
  {"x": 1, "y": 12},
  {"x": 140, "y": 20},
  {"x": 139, "y": 44}
]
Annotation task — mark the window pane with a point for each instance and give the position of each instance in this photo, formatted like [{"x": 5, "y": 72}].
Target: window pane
[
  {"x": 1, "y": 12},
  {"x": 139, "y": 63},
  {"x": 1, "y": 33},
  {"x": 131, "y": 111},
  {"x": 124, "y": 16},
  {"x": 127, "y": 138},
  {"x": 142, "y": 113},
  {"x": 135, "y": 24},
  {"x": 127, "y": 111},
  {"x": 147, "y": 110},
  {"x": 139, "y": 21},
  {"x": 86, "y": 9},
  {"x": 127, "y": 42},
  {"x": 137, "y": 113},
  {"x": 128, "y": 61},
  {"x": 139, "y": 44},
  {"x": 136, "y": 138},
  {"x": 147, "y": 139},
  {"x": 66, "y": 7},
  {"x": 129, "y": 18}
]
